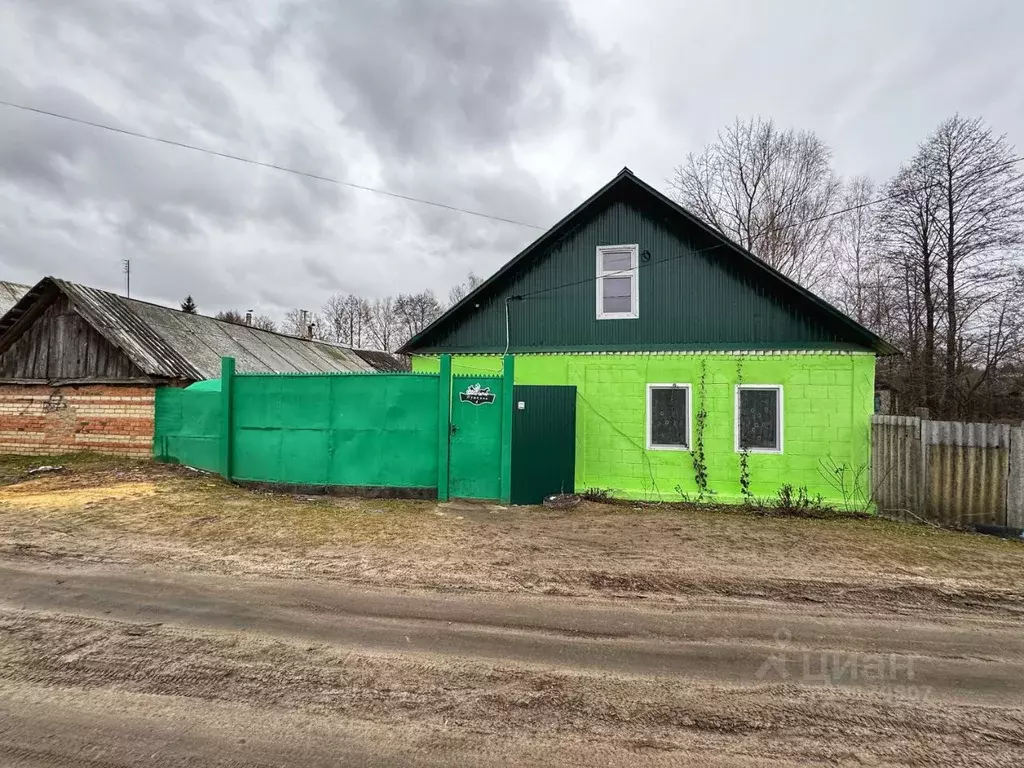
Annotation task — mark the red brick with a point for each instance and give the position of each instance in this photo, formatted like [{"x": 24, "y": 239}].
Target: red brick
[{"x": 78, "y": 414}]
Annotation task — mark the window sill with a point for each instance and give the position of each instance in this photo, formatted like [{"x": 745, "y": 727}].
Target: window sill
[
  {"x": 619, "y": 316},
  {"x": 668, "y": 448}
]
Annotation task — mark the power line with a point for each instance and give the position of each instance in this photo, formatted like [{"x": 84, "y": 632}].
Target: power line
[
  {"x": 772, "y": 230},
  {"x": 409, "y": 198},
  {"x": 271, "y": 166}
]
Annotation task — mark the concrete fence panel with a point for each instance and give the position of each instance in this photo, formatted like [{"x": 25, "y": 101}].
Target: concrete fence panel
[
  {"x": 896, "y": 474},
  {"x": 951, "y": 473}
]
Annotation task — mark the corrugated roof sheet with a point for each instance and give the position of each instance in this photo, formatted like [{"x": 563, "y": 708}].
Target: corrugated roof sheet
[
  {"x": 10, "y": 294},
  {"x": 384, "y": 361},
  {"x": 168, "y": 343}
]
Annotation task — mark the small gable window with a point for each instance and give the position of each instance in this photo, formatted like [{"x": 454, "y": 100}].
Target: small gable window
[
  {"x": 759, "y": 418},
  {"x": 617, "y": 283},
  {"x": 668, "y": 417}
]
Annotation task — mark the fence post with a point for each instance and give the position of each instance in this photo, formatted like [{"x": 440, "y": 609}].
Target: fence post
[
  {"x": 1015, "y": 480},
  {"x": 507, "y": 384},
  {"x": 227, "y": 384},
  {"x": 924, "y": 489},
  {"x": 444, "y": 424}
]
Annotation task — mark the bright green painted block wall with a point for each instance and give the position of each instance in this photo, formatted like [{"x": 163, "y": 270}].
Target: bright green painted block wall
[{"x": 828, "y": 399}]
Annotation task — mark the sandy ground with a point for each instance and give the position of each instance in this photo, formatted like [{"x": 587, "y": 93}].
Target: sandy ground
[
  {"x": 153, "y": 617},
  {"x": 147, "y": 514}
]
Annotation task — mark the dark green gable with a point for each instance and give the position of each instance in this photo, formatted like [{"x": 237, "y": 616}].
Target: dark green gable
[{"x": 697, "y": 290}]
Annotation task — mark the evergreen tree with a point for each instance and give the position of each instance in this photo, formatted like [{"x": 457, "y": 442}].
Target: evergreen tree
[{"x": 188, "y": 305}]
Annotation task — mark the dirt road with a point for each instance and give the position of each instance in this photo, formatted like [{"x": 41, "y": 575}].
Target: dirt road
[{"x": 109, "y": 666}]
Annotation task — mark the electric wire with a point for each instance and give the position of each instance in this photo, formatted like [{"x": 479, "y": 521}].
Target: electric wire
[{"x": 271, "y": 166}]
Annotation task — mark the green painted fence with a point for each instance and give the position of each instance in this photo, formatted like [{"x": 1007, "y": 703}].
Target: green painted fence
[
  {"x": 349, "y": 430},
  {"x": 186, "y": 428},
  {"x": 336, "y": 429}
]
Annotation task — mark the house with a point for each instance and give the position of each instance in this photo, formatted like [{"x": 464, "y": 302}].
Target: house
[
  {"x": 699, "y": 371},
  {"x": 79, "y": 366}
]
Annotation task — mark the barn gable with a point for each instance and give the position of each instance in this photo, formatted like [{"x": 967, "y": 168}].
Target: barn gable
[
  {"x": 55, "y": 330},
  {"x": 55, "y": 343}
]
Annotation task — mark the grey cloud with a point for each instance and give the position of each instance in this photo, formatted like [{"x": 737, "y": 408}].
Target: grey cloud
[
  {"x": 424, "y": 79},
  {"x": 516, "y": 108},
  {"x": 437, "y": 93},
  {"x": 158, "y": 187}
]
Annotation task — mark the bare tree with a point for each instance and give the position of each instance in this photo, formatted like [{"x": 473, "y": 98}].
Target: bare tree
[
  {"x": 231, "y": 316},
  {"x": 458, "y": 292},
  {"x": 335, "y": 316},
  {"x": 416, "y": 311},
  {"x": 909, "y": 241},
  {"x": 358, "y": 321},
  {"x": 769, "y": 190},
  {"x": 346, "y": 320},
  {"x": 264, "y": 323},
  {"x": 856, "y": 255},
  {"x": 980, "y": 218},
  {"x": 384, "y": 325},
  {"x": 949, "y": 238},
  {"x": 304, "y": 324}
]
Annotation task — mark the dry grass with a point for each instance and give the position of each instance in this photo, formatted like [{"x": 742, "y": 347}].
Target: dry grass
[
  {"x": 178, "y": 504},
  {"x": 138, "y": 511}
]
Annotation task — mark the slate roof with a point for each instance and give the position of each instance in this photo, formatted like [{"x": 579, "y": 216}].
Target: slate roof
[
  {"x": 385, "y": 362},
  {"x": 167, "y": 343},
  {"x": 10, "y": 293}
]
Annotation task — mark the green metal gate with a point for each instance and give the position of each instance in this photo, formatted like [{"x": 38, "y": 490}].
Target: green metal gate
[
  {"x": 474, "y": 468},
  {"x": 543, "y": 442}
]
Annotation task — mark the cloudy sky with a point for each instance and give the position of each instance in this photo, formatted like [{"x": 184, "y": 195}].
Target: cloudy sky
[{"x": 519, "y": 108}]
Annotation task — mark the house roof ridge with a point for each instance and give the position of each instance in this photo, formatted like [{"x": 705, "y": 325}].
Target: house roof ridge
[{"x": 626, "y": 176}]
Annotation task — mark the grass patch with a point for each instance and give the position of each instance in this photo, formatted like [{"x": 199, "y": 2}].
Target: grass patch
[
  {"x": 120, "y": 510},
  {"x": 171, "y": 502}
]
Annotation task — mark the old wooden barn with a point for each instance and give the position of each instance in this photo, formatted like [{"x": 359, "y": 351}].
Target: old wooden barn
[{"x": 79, "y": 366}]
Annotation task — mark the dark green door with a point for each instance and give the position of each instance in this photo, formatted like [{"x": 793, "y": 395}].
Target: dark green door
[
  {"x": 543, "y": 442},
  {"x": 474, "y": 460}
]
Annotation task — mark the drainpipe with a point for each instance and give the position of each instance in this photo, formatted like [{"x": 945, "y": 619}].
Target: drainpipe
[{"x": 507, "y": 335}]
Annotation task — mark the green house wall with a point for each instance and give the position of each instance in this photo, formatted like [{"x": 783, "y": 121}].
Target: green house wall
[
  {"x": 827, "y": 407},
  {"x": 694, "y": 294}
]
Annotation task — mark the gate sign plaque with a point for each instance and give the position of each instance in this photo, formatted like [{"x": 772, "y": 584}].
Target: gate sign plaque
[{"x": 477, "y": 395}]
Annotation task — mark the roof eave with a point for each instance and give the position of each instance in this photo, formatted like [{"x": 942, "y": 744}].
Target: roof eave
[
  {"x": 862, "y": 335},
  {"x": 410, "y": 345},
  {"x": 871, "y": 339}
]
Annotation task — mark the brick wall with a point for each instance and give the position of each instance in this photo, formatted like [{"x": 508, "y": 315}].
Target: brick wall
[{"x": 41, "y": 419}]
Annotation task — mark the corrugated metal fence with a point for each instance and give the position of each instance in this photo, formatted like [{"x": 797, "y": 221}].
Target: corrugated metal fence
[{"x": 948, "y": 472}]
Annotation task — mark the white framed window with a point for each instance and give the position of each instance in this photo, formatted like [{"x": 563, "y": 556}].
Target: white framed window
[
  {"x": 668, "y": 417},
  {"x": 759, "y": 418},
  {"x": 618, "y": 286}
]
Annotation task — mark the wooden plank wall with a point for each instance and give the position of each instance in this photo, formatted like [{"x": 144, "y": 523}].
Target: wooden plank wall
[{"x": 59, "y": 344}]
